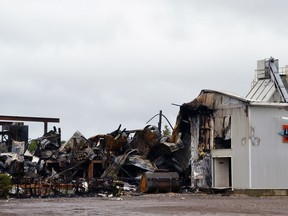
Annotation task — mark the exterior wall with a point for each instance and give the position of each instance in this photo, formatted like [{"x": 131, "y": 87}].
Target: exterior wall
[
  {"x": 259, "y": 157},
  {"x": 268, "y": 154},
  {"x": 239, "y": 151}
]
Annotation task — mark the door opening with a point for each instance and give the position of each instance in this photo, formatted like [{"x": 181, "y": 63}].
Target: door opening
[{"x": 222, "y": 172}]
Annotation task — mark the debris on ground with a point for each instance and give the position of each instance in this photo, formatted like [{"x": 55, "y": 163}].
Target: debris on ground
[{"x": 109, "y": 164}]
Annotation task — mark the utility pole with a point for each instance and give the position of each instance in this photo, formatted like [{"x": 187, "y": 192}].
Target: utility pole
[{"x": 160, "y": 121}]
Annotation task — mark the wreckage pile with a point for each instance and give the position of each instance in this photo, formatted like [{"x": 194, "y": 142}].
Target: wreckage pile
[{"x": 135, "y": 160}]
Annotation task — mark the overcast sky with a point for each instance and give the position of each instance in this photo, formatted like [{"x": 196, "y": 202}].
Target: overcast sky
[{"x": 97, "y": 64}]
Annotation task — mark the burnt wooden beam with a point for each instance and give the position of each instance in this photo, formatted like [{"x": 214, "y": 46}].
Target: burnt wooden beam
[{"x": 31, "y": 119}]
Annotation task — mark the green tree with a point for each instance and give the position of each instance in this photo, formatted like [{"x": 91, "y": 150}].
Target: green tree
[
  {"x": 32, "y": 146},
  {"x": 166, "y": 131},
  {"x": 5, "y": 184}
]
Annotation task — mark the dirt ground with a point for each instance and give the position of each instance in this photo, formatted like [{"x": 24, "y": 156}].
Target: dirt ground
[{"x": 155, "y": 204}]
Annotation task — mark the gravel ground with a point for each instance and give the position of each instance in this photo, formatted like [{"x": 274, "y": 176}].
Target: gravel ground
[{"x": 155, "y": 204}]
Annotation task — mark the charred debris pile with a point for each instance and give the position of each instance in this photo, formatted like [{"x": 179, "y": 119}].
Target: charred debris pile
[{"x": 105, "y": 165}]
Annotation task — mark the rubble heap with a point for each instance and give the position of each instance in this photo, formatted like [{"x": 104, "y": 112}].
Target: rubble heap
[{"x": 104, "y": 164}]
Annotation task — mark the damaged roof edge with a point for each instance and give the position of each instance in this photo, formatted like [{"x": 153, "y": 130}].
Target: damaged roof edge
[
  {"x": 199, "y": 100},
  {"x": 225, "y": 93},
  {"x": 240, "y": 98}
]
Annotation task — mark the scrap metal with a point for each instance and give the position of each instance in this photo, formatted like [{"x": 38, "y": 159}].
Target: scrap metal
[{"x": 102, "y": 164}]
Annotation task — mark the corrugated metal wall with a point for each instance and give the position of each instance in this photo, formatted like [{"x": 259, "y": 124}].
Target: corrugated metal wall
[{"x": 269, "y": 155}]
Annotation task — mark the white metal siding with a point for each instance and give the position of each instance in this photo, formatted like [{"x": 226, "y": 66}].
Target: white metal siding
[
  {"x": 269, "y": 159},
  {"x": 239, "y": 152},
  {"x": 240, "y": 149}
]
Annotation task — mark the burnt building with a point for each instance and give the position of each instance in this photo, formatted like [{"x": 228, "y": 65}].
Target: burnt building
[{"x": 239, "y": 142}]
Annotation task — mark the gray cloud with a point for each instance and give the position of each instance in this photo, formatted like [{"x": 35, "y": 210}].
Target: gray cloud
[{"x": 98, "y": 64}]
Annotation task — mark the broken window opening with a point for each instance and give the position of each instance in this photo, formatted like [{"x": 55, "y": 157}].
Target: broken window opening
[{"x": 222, "y": 136}]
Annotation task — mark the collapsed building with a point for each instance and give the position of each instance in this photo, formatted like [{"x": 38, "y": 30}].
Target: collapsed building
[
  {"x": 220, "y": 141},
  {"x": 103, "y": 164},
  {"x": 239, "y": 142}
]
